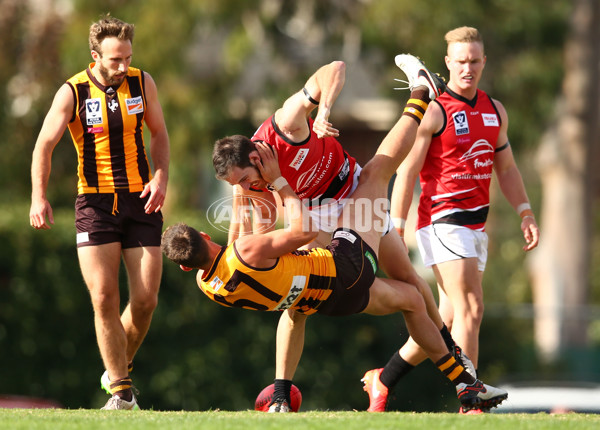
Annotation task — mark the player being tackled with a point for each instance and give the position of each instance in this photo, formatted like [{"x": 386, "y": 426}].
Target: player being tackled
[{"x": 267, "y": 272}]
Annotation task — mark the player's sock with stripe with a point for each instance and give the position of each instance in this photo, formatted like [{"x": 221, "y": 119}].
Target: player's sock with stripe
[
  {"x": 282, "y": 390},
  {"x": 453, "y": 370},
  {"x": 122, "y": 388},
  {"x": 395, "y": 369},
  {"x": 417, "y": 104}
]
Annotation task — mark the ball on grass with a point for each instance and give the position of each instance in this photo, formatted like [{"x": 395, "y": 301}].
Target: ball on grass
[{"x": 266, "y": 395}]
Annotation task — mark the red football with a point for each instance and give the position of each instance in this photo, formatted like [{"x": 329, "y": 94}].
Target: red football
[{"x": 266, "y": 395}]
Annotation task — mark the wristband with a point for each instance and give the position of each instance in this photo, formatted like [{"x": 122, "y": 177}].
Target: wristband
[
  {"x": 279, "y": 183},
  {"x": 399, "y": 223},
  {"x": 523, "y": 207}
]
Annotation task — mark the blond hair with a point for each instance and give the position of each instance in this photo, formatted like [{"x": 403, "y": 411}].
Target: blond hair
[{"x": 464, "y": 35}]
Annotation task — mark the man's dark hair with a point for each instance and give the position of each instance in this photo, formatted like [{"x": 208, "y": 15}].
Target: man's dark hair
[
  {"x": 231, "y": 151},
  {"x": 183, "y": 245}
]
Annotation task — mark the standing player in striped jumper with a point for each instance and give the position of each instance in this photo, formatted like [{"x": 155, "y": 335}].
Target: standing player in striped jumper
[
  {"x": 117, "y": 210},
  {"x": 462, "y": 139}
]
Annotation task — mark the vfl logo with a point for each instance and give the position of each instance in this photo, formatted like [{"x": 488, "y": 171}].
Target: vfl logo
[
  {"x": 299, "y": 159},
  {"x": 298, "y": 284},
  {"x": 461, "y": 125},
  {"x": 479, "y": 148},
  {"x": 113, "y": 105},
  {"x": 93, "y": 112},
  {"x": 134, "y": 105},
  {"x": 220, "y": 213}
]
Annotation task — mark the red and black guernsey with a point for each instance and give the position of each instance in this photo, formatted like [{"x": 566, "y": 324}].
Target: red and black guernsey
[
  {"x": 316, "y": 168},
  {"x": 457, "y": 171}
]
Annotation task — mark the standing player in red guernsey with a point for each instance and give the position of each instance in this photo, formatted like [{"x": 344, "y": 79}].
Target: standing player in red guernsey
[
  {"x": 318, "y": 169},
  {"x": 117, "y": 211},
  {"x": 462, "y": 138}
]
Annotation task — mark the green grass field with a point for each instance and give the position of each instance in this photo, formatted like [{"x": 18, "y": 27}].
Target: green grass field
[{"x": 86, "y": 419}]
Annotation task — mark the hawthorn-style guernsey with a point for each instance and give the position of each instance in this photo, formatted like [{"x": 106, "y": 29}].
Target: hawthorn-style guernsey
[{"x": 106, "y": 129}]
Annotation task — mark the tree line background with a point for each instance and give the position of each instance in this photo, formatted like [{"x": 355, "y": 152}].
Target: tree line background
[{"x": 221, "y": 68}]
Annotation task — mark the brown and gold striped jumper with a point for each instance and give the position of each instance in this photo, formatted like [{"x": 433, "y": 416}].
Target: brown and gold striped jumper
[{"x": 106, "y": 129}]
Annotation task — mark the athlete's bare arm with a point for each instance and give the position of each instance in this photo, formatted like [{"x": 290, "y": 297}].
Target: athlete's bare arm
[
  {"x": 52, "y": 130},
  {"x": 261, "y": 250},
  {"x": 323, "y": 86},
  {"x": 159, "y": 148}
]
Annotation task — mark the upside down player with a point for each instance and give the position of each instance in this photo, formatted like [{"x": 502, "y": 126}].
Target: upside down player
[
  {"x": 319, "y": 171},
  {"x": 266, "y": 272}
]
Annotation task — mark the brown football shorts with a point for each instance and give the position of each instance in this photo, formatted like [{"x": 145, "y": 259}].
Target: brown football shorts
[{"x": 119, "y": 217}]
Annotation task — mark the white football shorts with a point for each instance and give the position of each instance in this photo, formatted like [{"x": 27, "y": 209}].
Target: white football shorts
[{"x": 439, "y": 243}]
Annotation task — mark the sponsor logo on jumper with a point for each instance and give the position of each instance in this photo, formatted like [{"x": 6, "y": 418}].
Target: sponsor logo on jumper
[
  {"x": 216, "y": 284},
  {"x": 481, "y": 164},
  {"x": 461, "y": 125},
  {"x": 324, "y": 171},
  {"x": 134, "y": 105},
  {"x": 478, "y": 149},
  {"x": 299, "y": 158},
  {"x": 490, "y": 120},
  {"x": 305, "y": 179},
  {"x": 95, "y": 129},
  {"x": 298, "y": 285},
  {"x": 478, "y": 176},
  {"x": 93, "y": 112}
]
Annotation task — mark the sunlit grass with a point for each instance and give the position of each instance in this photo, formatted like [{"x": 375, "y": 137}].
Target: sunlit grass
[{"x": 84, "y": 419}]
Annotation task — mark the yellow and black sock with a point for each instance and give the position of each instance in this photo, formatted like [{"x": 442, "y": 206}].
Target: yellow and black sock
[
  {"x": 453, "y": 370},
  {"x": 122, "y": 388},
  {"x": 417, "y": 104}
]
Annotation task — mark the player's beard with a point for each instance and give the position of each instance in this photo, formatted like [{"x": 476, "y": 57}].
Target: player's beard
[{"x": 109, "y": 77}]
